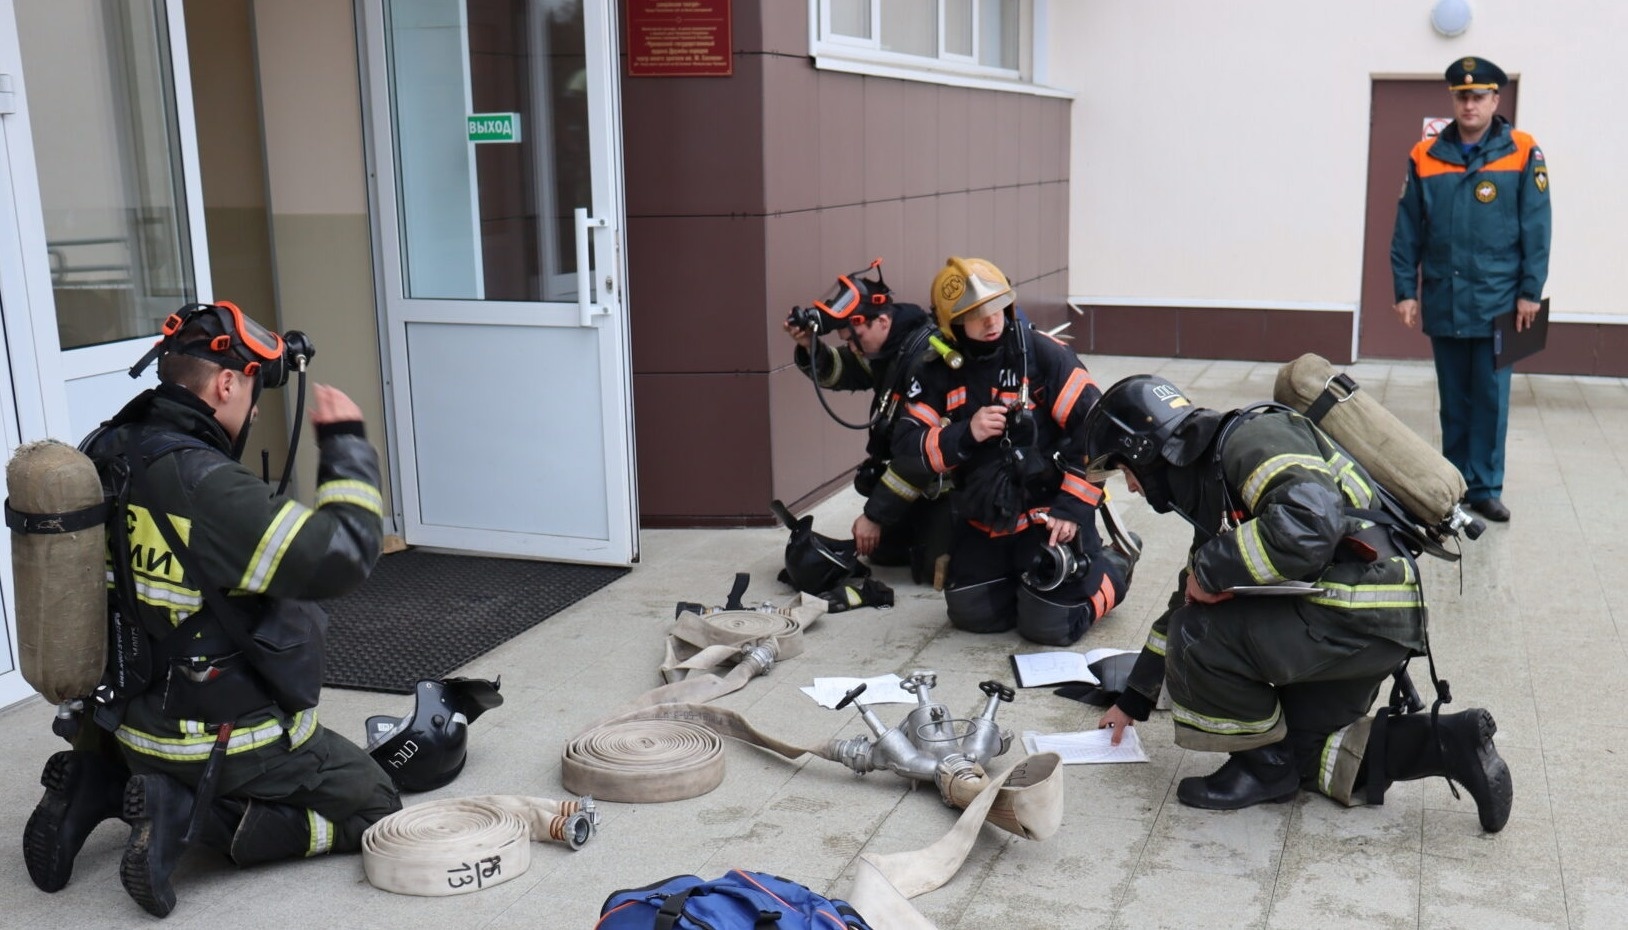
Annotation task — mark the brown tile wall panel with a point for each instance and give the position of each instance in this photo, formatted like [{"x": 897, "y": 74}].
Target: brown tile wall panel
[
  {"x": 694, "y": 146},
  {"x": 976, "y": 128},
  {"x": 1008, "y": 141},
  {"x": 841, "y": 146},
  {"x": 1611, "y": 349},
  {"x": 791, "y": 149},
  {"x": 695, "y": 294},
  {"x": 794, "y": 275},
  {"x": 809, "y": 448},
  {"x": 1133, "y": 330},
  {"x": 979, "y": 236},
  {"x": 1030, "y": 221},
  {"x": 921, "y": 148},
  {"x": 910, "y": 273},
  {"x": 880, "y": 135},
  {"x": 703, "y": 442},
  {"x": 841, "y": 243},
  {"x": 950, "y": 135},
  {"x": 784, "y": 28},
  {"x": 1581, "y": 349},
  {"x": 1031, "y": 140},
  {"x": 884, "y": 233},
  {"x": 1263, "y": 335}
]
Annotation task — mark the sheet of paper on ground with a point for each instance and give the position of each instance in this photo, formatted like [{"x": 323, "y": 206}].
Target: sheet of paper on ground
[
  {"x": 1087, "y": 747},
  {"x": 883, "y": 689}
]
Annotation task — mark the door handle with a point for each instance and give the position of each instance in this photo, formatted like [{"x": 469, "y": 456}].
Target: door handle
[{"x": 584, "y": 225}]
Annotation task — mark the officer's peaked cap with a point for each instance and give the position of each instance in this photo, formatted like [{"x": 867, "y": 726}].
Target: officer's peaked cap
[{"x": 1475, "y": 74}]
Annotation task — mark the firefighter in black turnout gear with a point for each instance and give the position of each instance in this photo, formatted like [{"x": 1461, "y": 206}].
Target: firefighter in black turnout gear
[
  {"x": 209, "y": 702},
  {"x": 906, "y": 519},
  {"x": 1282, "y": 684},
  {"x": 1007, "y": 422}
]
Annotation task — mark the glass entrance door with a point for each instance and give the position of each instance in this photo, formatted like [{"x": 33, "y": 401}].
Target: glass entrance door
[
  {"x": 499, "y": 188},
  {"x": 114, "y": 147}
]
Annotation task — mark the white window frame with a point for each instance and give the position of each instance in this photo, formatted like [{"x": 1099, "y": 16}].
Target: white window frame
[{"x": 856, "y": 55}]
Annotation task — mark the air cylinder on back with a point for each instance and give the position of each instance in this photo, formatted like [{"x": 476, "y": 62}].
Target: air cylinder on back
[{"x": 58, "y": 526}]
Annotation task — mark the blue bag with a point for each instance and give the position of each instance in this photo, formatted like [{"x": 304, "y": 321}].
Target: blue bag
[{"x": 740, "y": 900}]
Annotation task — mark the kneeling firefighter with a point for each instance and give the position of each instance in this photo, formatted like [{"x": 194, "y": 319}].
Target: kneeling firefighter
[
  {"x": 205, "y": 729},
  {"x": 1283, "y": 684},
  {"x": 906, "y": 519},
  {"x": 1008, "y": 423}
]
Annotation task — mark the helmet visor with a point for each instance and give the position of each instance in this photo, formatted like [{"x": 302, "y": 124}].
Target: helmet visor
[
  {"x": 264, "y": 344},
  {"x": 1102, "y": 467},
  {"x": 842, "y": 300}
]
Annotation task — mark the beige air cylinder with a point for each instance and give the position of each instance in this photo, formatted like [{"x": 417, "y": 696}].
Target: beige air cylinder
[{"x": 58, "y": 571}]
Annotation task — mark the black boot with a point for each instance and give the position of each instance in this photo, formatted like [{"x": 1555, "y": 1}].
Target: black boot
[
  {"x": 159, "y": 809},
  {"x": 271, "y": 831},
  {"x": 82, "y": 789},
  {"x": 1458, "y": 747},
  {"x": 1251, "y": 777}
]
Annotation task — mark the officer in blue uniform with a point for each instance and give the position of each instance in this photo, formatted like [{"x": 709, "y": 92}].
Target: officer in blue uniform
[{"x": 1471, "y": 244}]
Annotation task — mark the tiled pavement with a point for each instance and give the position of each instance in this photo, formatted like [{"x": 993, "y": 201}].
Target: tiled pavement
[{"x": 1530, "y": 625}]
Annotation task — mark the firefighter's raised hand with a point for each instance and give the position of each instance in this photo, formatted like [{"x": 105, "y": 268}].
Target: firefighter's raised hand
[{"x": 331, "y": 405}]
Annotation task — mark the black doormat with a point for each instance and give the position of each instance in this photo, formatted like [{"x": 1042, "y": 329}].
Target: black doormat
[{"x": 423, "y": 614}]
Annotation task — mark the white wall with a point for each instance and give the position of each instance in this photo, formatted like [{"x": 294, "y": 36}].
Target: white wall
[{"x": 1219, "y": 149}]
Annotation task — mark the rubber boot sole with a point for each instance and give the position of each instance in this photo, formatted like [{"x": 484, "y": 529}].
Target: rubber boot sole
[
  {"x": 1198, "y": 796},
  {"x": 1490, "y": 782},
  {"x": 47, "y": 852},
  {"x": 153, "y": 892}
]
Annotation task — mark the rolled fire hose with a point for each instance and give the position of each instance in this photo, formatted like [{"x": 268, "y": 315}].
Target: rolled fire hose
[
  {"x": 703, "y": 642},
  {"x": 460, "y": 845}
]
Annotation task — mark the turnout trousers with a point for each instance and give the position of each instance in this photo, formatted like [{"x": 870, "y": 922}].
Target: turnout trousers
[{"x": 1250, "y": 672}]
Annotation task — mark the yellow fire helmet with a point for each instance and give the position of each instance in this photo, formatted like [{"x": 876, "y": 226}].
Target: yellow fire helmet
[{"x": 966, "y": 285}]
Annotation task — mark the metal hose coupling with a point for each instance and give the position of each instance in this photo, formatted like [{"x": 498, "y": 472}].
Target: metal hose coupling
[
  {"x": 761, "y": 653},
  {"x": 955, "y": 771},
  {"x": 855, "y": 753},
  {"x": 574, "y": 831}
]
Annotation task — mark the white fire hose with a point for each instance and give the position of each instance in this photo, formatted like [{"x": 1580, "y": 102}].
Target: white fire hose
[{"x": 460, "y": 845}]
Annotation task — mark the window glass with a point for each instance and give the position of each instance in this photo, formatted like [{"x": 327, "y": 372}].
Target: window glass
[
  {"x": 958, "y": 27},
  {"x": 107, "y": 150},
  {"x": 489, "y": 109},
  {"x": 998, "y": 31},
  {"x": 851, "y": 18},
  {"x": 910, "y": 27}
]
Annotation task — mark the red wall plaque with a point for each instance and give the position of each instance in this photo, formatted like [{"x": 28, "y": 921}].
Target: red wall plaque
[{"x": 673, "y": 38}]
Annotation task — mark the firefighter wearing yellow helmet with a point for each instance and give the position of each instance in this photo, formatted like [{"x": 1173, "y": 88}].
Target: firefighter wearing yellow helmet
[{"x": 1008, "y": 425}]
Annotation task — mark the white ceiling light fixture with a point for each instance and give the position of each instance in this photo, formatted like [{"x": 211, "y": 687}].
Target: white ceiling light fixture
[{"x": 1450, "y": 17}]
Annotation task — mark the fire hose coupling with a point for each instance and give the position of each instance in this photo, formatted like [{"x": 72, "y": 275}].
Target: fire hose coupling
[
  {"x": 761, "y": 652},
  {"x": 578, "y": 829}
]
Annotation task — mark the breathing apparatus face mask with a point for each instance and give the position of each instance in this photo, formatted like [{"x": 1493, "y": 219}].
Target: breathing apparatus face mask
[
  {"x": 850, "y": 302},
  {"x": 232, "y": 340},
  {"x": 1053, "y": 566}
]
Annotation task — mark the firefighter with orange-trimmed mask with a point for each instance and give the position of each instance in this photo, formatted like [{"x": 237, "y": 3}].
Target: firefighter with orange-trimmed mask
[
  {"x": 208, "y": 707},
  {"x": 1003, "y": 414}
]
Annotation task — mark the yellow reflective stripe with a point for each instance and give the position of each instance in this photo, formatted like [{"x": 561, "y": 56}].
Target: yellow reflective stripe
[
  {"x": 1223, "y": 725},
  {"x": 305, "y": 724},
  {"x": 1263, "y": 474},
  {"x": 1358, "y": 491},
  {"x": 899, "y": 486},
  {"x": 321, "y": 832},
  {"x": 835, "y": 374},
  {"x": 1252, "y": 550},
  {"x": 196, "y": 747},
  {"x": 358, "y": 493},
  {"x": 1155, "y": 643},
  {"x": 1331, "y": 754},
  {"x": 1368, "y": 597},
  {"x": 278, "y": 537}
]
